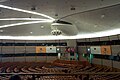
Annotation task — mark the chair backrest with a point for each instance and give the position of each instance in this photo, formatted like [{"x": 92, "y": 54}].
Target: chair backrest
[{"x": 15, "y": 77}]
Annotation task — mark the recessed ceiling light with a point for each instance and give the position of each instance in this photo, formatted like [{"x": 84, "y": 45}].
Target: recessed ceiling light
[
  {"x": 1, "y": 31},
  {"x": 102, "y": 16},
  {"x": 42, "y": 27},
  {"x": 31, "y": 32},
  {"x": 95, "y": 25}
]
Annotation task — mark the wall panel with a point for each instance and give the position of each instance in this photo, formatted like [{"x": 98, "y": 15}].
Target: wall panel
[
  {"x": 82, "y": 49},
  {"x": 30, "y": 41},
  {"x": 51, "y": 58},
  {"x": 30, "y": 49},
  {"x": 107, "y": 62},
  {"x": 63, "y": 49},
  {"x": 94, "y": 39},
  {"x": 95, "y": 49},
  {"x": 40, "y": 49},
  {"x": 104, "y": 39},
  {"x": 41, "y": 58},
  {"x": 20, "y": 49},
  {"x": 8, "y": 59},
  {"x": 81, "y": 40},
  {"x": 96, "y": 61},
  {"x": 115, "y": 37},
  {"x": 8, "y": 41},
  {"x": 115, "y": 49},
  {"x": 50, "y": 49},
  {"x": 105, "y": 50},
  {"x": 41, "y": 41},
  {"x": 19, "y": 59},
  {"x": 20, "y": 41},
  {"x": 0, "y": 50},
  {"x": 116, "y": 64},
  {"x": 30, "y": 59},
  {"x": 8, "y": 50}
]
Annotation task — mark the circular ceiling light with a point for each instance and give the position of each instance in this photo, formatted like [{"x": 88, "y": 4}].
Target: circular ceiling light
[
  {"x": 42, "y": 27},
  {"x": 3, "y": 0},
  {"x": 1, "y": 31},
  {"x": 31, "y": 32},
  {"x": 95, "y": 25},
  {"x": 102, "y": 16}
]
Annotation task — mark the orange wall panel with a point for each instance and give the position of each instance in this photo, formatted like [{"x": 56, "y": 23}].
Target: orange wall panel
[
  {"x": 40, "y": 49},
  {"x": 105, "y": 50}
]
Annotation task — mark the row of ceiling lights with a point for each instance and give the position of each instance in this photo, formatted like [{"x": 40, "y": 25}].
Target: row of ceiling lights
[
  {"x": 30, "y": 32},
  {"x": 53, "y": 32}
]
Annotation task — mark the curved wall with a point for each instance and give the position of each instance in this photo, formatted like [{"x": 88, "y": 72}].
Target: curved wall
[
  {"x": 21, "y": 50},
  {"x": 18, "y": 49},
  {"x": 112, "y": 41}
]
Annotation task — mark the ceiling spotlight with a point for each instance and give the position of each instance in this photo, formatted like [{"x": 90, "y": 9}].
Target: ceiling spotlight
[
  {"x": 72, "y": 7},
  {"x": 33, "y": 8},
  {"x": 1, "y": 31},
  {"x": 56, "y": 14}
]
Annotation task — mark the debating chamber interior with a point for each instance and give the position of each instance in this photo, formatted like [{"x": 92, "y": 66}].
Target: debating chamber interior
[{"x": 59, "y": 39}]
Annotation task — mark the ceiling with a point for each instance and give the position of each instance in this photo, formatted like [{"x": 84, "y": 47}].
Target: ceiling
[{"x": 89, "y": 18}]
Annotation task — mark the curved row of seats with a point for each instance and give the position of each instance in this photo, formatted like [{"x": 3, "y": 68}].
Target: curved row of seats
[
  {"x": 56, "y": 67},
  {"x": 91, "y": 68},
  {"x": 31, "y": 67}
]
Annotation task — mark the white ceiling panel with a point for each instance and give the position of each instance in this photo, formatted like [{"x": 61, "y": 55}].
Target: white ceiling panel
[{"x": 89, "y": 18}]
